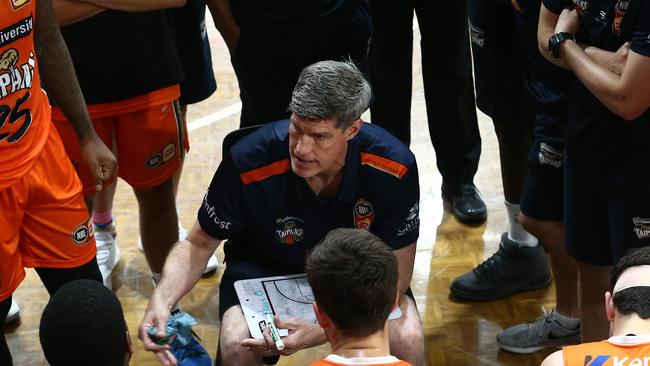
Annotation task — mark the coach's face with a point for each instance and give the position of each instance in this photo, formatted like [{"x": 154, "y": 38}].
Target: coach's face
[{"x": 318, "y": 147}]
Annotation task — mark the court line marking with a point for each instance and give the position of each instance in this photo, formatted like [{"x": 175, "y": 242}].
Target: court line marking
[{"x": 214, "y": 117}]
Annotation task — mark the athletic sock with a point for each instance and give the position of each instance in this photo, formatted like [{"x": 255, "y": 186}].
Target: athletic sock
[
  {"x": 516, "y": 232},
  {"x": 103, "y": 220}
]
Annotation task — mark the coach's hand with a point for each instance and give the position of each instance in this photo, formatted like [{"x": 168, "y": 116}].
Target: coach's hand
[
  {"x": 156, "y": 315},
  {"x": 99, "y": 159},
  {"x": 302, "y": 335}
]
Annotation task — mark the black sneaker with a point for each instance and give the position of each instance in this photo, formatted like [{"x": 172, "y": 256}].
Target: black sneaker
[
  {"x": 467, "y": 204},
  {"x": 510, "y": 270}
]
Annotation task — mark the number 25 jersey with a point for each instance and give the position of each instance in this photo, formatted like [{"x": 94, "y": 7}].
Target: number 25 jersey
[{"x": 24, "y": 108}]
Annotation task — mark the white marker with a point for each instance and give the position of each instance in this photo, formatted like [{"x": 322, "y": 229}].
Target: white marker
[{"x": 273, "y": 331}]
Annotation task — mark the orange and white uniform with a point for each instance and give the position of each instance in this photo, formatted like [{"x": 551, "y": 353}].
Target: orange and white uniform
[
  {"x": 616, "y": 351},
  {"x": 335, "y": 360},
  {"x": 43, "y": 217}
]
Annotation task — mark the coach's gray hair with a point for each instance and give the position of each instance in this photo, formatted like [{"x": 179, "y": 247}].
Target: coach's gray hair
[{"x": 331, "y": 89}]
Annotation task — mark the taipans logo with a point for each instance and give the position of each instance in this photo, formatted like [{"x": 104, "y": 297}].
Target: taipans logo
[
  {"x": 82, "y": 233},
  {"x": 363, "y": 214},
  {"x": 161, "y": 157},
  {"x": 550, "y": 156},
  {"x": 289, "y": 230},
  {"x": 581, "y": 6},
  {"x": 17, "y": 4},
  {"x": 641, "y": 227},
  {"x": 598, "y": 361},
  {"x": 619, "y": 13}
]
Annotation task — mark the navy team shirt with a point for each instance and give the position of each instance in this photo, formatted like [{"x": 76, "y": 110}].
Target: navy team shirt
[
  {"x": 270, "y": 215},
  {"x": 614, "y": 150}
]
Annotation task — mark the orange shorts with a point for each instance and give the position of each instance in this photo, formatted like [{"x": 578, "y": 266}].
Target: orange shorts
[
  {"x": 44, "y": 221},
  {"x": 146, "y": 141}
]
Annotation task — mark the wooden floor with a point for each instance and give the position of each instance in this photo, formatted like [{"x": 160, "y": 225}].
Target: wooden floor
[{"x": 456, "y": 333}]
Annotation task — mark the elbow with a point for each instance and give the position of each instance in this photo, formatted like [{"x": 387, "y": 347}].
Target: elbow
[
  {"x": 628, "y": 109},
  {"x": 178, "y": 3},
  {"x": 630, "y": 114}
]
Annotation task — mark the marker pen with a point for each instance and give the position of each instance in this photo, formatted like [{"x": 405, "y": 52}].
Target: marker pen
[{"x": 275, "y": 334}]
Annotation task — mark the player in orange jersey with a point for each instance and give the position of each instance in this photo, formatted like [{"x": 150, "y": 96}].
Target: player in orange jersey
[
  {"x": 627, "y": 305},
  {"x": 353, "y": 276},
  {"x": 43, "y": 218}
]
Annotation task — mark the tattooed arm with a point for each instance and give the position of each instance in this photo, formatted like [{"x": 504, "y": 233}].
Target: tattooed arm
[{"x": 58, "y": 76}]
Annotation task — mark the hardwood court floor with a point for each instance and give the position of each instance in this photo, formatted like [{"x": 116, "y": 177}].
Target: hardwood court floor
[{"x": 457, "y": 334}]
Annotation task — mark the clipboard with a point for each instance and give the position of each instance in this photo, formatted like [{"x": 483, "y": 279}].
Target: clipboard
[{"x": 285, "y": 296}]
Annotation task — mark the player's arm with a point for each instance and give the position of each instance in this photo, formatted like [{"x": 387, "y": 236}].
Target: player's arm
[
  {"x": 225, "y": 22},
  {"x": 59, "y": 79},
  {"x": 626, "y": 94},
  {"x": 405, "y": 262},
  {"x": 554, "y": 359},
  {"x": 614, "y": 61},
  {"x": 183, "y": 268},
  {"x": 132, "y": 5}
]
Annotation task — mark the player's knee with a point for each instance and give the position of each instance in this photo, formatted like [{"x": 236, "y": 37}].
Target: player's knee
[{"x": 407, "y": 338}]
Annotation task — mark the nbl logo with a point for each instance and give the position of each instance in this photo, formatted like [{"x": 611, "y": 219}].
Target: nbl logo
[{"x": 82, "y": 233}]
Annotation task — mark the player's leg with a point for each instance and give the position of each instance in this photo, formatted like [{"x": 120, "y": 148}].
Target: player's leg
[
  {"x": 233, "y": 330},
  {"x": 406, "y": 333},
  {"x": 390, "y": 59},
  {"x": 449, "y": 96},
  {"x": 5, "y": 355},
  {"x": 587, "y": 236}
]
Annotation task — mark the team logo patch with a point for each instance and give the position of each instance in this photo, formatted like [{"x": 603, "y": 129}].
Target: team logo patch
[
  {"x": 477, "y": 36},
  {"x": 169, "y": 152},
  {"x": 363, "y": 214},
  {"x": 549, "y": 155},
  {"x": 641, "y": 227},
  {"x": 161, "y": 157},
  {"x": 581, "y": 6},
  {"x": 289, "y": 230},
  {"x": 412, "y": 221},
  {"x": 17, "y": 4},
  {"x": 619, "y": 13},
  {"x": 82, "y": 233}
]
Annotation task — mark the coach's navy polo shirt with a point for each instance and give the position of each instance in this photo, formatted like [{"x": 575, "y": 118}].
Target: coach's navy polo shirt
[
  {"x": 614, "y": 150},
  {"x": 271, "y": 216}
]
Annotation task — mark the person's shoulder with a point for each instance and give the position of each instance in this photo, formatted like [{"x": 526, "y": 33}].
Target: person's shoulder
[
  {"x": 383, "y": 151},
  {"x": 554, "y": 359},
  {"x": 258, "y": 146}
]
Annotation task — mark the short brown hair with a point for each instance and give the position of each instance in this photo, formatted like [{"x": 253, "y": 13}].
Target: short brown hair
[{"x": 353, "y": 276}]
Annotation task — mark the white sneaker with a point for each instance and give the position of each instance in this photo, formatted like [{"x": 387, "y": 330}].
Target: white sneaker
[
  {"x": 213, "y": 262},
  {"x": 108, "y": 254},
  {"x": 14, "y": 312}
]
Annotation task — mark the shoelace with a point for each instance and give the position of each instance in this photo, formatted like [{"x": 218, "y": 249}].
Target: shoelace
[
  {"x": 469, "y": 190},
  {"x": 491, "y": 264}
]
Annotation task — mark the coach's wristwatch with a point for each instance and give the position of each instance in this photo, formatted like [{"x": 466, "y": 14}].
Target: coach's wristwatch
[{"x": 556, "y": 40}]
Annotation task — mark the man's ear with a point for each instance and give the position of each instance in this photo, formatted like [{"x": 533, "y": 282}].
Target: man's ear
[
  {"x": 354, "y": 129},
  {"x": 610, "y": 309},
  {"x": 322, "y": 318}
]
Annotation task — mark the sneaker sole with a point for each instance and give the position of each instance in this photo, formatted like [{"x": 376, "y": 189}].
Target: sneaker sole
[
  {"x": 472, "y": 296},
  {"x": 554, "y": 344}
]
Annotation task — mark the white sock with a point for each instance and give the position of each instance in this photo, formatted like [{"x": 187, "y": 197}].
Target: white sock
[
  {"x": 516, "y": 232},
  {"x": 155, "y": 278}
]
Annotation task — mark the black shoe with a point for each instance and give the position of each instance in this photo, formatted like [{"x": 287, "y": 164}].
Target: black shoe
[
  {"x": 467, "y": 204},
  {"x": 510, "y": 270}
]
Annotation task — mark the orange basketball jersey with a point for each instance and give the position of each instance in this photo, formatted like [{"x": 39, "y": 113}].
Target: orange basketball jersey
[
  {"x": 24, "y": 108},
  {"x": 616, "y": 351}
]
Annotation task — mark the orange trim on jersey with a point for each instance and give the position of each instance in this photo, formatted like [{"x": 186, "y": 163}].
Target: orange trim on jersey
[
  {"x": 141, "y": 102},
  {"x": 256, "y": 175},
  {"x": 385, "y": 165}
]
